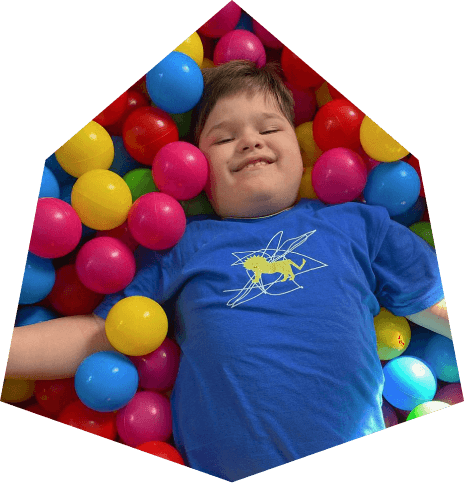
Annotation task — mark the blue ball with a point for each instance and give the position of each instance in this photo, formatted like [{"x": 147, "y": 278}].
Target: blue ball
[
  {"x": 175, "y": 85},
  {"x": 440, "y": 357},
  {"x": 60, "y": 174},
  {"x": 29, "y": 315},
  {"x": 123, "y": 162},
  {"x": 413, "y": 215},
  {"x": 409, "y": 382},
  {"x": 49, "y": 187},
  {"x": 106, "y": 381},
  {"x": 245, "y": 22},
  {"x": 420, "y": 336},
  {"x": 38, "y": 280},
  {"x": 396, "y": 186}
]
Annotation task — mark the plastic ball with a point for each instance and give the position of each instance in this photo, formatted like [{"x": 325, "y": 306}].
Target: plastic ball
[
  {"x": 36, "y": 408},
  {"x": 123, "y": 162},
  {"x": 450, "y": 393},
  {"x": 419, "y": 339},
  {"x": 305, "y": 104},
  {"x": 102, "y": 199},
  {"x": 91, "y": 148},
  {"x": 393, "y": 334},
  {"x": 199, "y": 205},
  {"x": 60, "y": 174},
  {"x": 192, "y": 47},
  {"x": 113, "y": 112},
  {"x": 55, "y": 395},
  {"x": 105, "y": 265},
  {"x": 414, "y": 162},
  {"x": 183, "y": 122},
  {"x": 34, "y": 314},
  {"x": 180, "y": 170},
  {"x": 78, "y": 415},
  {"x": 305, "y": 137},
  {"x": 323, "y": 95},
  {"x": 158, "y": 369},
  {"x": 334, "y": 94},
  {"x": 38, "y": 280},
  {"x": 147, "y": 417},
  {"x": 266, "y": 37},
  {"x": 426, "y": 408},
  {"x": 408, "y": 382},
  {"x": 136, "y": 325},
  {"x": 140, "y": 182},
  {"x": 17, "y": 390},
  {"x": 337, "y": 125},
  {"x": 146, "y": 130},
  {"x": 298, "y": 72},
  {"x": 245, "y": 22},
  {"x": 339, "y": 175},
  {"x": 70, "y": 296},
  {"x": 49, "y": 187},
  {"x": 57, "y": 229},
  {"x": 368, "y": 161},
  {"x": 378, "y": 144},
  {"x": 207, "y": 64},
  {"x": 424, "y": 230},
  {"x": 413, "y": 215},
  {"x": 394, "y": 185},
  {"x": 224, "y": 21},
  {"x": 239, "y": 45},
  {"x": 121, "y": 233},
  {"x": 157, "y": 221},
  {"x": 106, "y": 381},
  {"x": 175, "y": 84},
  {"x": 389, "y": 416},
  {"x": 162, "y": 450},
  {"x": 440, "y": 357},
  {"x": 306, "y": 185}
]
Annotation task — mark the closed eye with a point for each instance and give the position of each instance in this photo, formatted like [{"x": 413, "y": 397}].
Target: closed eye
[
  {"x": 270, "y": 131},
  {"x": 224, "y": 141}
]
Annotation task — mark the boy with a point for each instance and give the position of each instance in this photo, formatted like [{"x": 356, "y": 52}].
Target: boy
[{"x": 274, "y": 300}]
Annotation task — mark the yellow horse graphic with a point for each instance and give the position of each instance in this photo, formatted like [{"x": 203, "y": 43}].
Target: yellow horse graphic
[{"x": 260, "y": 265}]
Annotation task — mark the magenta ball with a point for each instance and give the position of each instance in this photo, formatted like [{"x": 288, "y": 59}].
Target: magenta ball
[
  {"x": 370, "y": 163},
  {"x": 147, "y": 417},
  {"x": 158, "y": 370},
  {"x": 156, "y": 221},
  {"x": 224, "y": 21},
  {"x": 239, "y": 45},
  {"x": 389, "y": 415},
  {"x": 180, "y": 170},
  {"x": 339, "y": 175},
  {"x": 450, "y": 393},
  {"x": 266, "y": 37},
  {"x": 105, "y": 265},
  {"x": 305, "y": 104},
  {"x": 57, "y": 229}
]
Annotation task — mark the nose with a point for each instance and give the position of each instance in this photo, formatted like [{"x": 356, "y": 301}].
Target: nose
[{"x": 250, "y": 140}]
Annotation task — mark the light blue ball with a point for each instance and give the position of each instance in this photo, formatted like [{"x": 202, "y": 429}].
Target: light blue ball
[
  {"x": 439, "y": 355},
  {"x": 33, "y": 314},
  {"x": 38, "y": 280},
  {"x": 409, "y": 381},
  {"x": 106, "y": 381},
  {"x": 49, "y": 187},
  {"x": 396, "y": 186},
  {"x": 413, "y": 215},
  {"x": 175, "y": 85},
  {"x": 123, "y": 162}
]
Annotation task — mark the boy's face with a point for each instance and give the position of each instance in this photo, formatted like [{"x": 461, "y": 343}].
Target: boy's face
[{"x": 254, "y": 157}]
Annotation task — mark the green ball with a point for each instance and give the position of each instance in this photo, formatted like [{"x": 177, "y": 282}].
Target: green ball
[
  {"x": 140, "y": 182},
  {"x": 183, "y": 122},
  {"x": 426, "y": 408},
  {"x": 424, "y": 230},
  {"x": 199, "y": 205}
]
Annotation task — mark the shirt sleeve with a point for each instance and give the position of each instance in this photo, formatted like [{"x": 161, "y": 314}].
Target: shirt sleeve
[{"x": 406, "y": 271}]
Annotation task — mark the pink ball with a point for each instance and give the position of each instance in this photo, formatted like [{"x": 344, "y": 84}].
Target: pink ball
[
  {"x": 57, "y": 229},
  {"x": 180, "y": 170},
  {"x": 105, "y": 265},
  {"x": 147, "y": 417},
  {"x": 389, "y": 415},
  {"x": 305, "y": 104},
  {"x": 224, "y": 21},
  {"x": 266, "y": 37},
  {"x": 158, "y": 370},
  {"x": 339, "y": 175},
  {"x": 370, "y": 163},
  {"x": 156, "y": 221},
  {"x": 239, "y": 45},
  {"x": 450, "y": 393}
]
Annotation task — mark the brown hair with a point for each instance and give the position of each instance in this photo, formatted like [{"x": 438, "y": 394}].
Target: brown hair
[{"x": 241, "y": 76}]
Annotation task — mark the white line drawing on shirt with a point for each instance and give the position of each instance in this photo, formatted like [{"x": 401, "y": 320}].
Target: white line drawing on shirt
[{"x": 273, "y": 261}]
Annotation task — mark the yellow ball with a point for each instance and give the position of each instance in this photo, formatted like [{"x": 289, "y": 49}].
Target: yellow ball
[
  {"x": 323, "y": 95},
  {"x": 91, "y": 148},
  {"x": 193, "y": 47},
  {"x": 207, "y": 64},
  {"x": 136, "y": 326},
  {"x": 102, "y": 199},
  {"x": 306, "y": 186},
  {"x": 393, "y": 334},
  {"x": 305, "y": 137},
  {"x": 17, "y": 390},
  {"x": 378, "y": 144}
]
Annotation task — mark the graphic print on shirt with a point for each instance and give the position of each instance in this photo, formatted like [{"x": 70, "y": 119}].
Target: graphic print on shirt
[{"x": 273, "y": 264}]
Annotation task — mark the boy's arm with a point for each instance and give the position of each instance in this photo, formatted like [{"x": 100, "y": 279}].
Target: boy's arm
[
  {"x": 54, "y": 349},
  {"x": 434, "y": 318}
]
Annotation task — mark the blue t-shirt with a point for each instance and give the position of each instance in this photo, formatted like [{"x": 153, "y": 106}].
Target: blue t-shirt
[{"x": 274, "y": 318}]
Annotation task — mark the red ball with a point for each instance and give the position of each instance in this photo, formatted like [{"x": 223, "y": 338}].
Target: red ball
[
  {"x": 334, "y": 94},
  {"x": 145, "y": 131},
  {"x": 121, "y": 233},
  {"x": 69, "y": 296},
  {"x": 224, "y": 21},
  {"x": 414, "y": 162},
  {"x": 105, "y": 265},
  {"x": 163, "y": 450},
  {"x": 305, "y": 103},
  {"x": 239, "y": 45},
  {"x": 113, "y": 112},
  {"x": 57, "y": 229},
  {"x": 135, "y": 99},
  {"x": 337, "y": 125},
  {"x": 36, "y": 408},
  {"x": 157, "y": 221},
  {"x": 79, "y": 416},
  {"x": 180, "y": 170},
  {"x": 53, "y": 396},
  {"x": 298, "y": 72},
  {"x": 339, "y": 176}
]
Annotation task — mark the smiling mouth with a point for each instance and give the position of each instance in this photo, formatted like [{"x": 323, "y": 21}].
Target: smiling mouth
[{"x": 254, "y": 164}]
